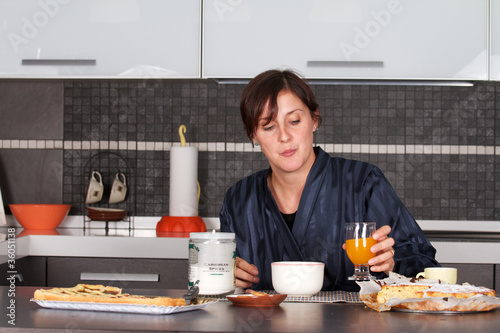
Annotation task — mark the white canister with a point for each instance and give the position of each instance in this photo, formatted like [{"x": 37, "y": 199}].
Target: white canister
[{"x": 212, "y": 262}]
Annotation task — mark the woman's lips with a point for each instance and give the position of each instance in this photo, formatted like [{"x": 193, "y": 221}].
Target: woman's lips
[{"x": 288, "y": 152}]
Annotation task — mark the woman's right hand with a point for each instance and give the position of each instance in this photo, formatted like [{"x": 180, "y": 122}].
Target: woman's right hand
[{"x": 246, "y": 274}]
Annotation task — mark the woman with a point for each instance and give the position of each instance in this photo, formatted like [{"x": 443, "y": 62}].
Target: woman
[{"x": 296, "y": 209}]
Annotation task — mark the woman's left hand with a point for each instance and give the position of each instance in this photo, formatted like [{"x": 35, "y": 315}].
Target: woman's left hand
[{"x": 384, "y": 253}]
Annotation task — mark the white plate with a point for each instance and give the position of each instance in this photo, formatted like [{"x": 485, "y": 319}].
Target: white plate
[{"x": 119, "y": 307}]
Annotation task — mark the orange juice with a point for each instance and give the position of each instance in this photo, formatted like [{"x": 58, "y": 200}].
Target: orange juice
[{"x": 358, "y": 250}]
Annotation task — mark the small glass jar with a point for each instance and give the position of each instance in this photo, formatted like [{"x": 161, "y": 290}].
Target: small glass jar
[{"x": 212, "y": 262}]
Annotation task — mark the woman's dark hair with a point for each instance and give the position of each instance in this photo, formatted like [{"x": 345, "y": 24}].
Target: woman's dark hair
[{"x": 265, "y": 88}]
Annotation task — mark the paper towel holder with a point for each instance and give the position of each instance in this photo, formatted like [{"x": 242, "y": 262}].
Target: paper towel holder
[
  {"x": 182, "y": 130},
  {"x": 181, "y": 226}
]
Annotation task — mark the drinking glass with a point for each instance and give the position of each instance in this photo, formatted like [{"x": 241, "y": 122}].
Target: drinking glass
[{"x": 359, "y": 240}]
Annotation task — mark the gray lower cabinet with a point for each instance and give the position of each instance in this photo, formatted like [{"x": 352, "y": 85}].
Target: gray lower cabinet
[
  {"x": 497, "y": 279},
  {"x": 28, "y": 271},
  {"x": 118, "y": 272},
  {"x": 476, "y": 274}
]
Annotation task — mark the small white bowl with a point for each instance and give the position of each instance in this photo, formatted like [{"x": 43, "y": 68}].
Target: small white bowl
[{"x": 297, "y": 278}]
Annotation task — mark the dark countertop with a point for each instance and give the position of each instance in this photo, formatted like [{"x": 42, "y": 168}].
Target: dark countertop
[
  {"x": 463, "y": 236},
  {"x": 225, "y": 317}
]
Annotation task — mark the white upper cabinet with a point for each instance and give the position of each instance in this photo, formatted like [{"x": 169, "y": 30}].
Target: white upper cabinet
[
  {"x": 347, "y": 39},
  {"x": 100, "y": 38},
  {"x": 495, "y": 40}
]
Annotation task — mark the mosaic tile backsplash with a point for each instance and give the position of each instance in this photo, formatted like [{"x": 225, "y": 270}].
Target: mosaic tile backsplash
[{"x": 439, "y": 146}]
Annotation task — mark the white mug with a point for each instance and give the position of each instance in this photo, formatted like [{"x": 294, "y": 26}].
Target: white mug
[
  {"x": 95, "y": 188},
  {"x": 446, "y": 274},
  {"x": 118, "y": 189}
]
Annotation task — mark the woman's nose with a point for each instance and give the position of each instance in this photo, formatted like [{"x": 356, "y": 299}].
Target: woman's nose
[{"x": 284, "y": 135}]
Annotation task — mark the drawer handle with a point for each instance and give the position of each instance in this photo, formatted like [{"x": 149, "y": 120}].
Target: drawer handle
[
  {"x": 59, "y": 62},
  {"x": 328, "y": 63},
  {"x": 120, "y": 276}
]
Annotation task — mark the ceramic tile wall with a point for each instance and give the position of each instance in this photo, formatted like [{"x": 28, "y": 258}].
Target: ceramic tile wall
[
  {"x": 31, "y": 113},
  {"x": 438, "y": 146}
]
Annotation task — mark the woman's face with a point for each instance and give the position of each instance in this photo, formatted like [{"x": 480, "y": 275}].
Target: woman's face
[{"x": 287, "y": 141}]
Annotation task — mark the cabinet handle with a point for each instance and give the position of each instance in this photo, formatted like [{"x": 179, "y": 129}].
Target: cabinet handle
[
  {"x": 119, "y": 276},
  {"x": 58, "y": 62},
  {"x": 19, "y": 277},
  {"x": 332, "y": 63}
]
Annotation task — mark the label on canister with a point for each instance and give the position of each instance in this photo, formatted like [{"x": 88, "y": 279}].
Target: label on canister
[{"x": 212, "y": 260}]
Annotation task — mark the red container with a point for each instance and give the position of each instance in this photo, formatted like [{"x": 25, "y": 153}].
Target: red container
[{"x": 179, "y": 226}]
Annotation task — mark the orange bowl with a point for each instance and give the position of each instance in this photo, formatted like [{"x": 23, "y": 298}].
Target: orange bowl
[{"x": 39, "y": 216}]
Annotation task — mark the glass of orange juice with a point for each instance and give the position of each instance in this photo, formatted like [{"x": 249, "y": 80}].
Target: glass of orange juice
[{"x": 359, "y": 240}]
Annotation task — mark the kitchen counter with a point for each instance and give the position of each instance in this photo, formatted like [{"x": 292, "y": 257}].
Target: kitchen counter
[
  {"x": 117, "y": 243},
  {"x": 225, "y": 317},
  {"x": 143, "y": 243}
]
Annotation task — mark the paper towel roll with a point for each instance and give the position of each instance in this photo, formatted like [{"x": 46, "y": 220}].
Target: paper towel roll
[{"x": 183, "y": 181}]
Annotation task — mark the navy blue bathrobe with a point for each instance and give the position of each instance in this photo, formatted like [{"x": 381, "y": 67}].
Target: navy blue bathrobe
[{"x": 337, "y": 191}]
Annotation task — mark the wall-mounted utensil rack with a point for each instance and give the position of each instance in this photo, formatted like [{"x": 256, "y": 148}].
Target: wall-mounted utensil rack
[{"x": 108, "y": 164}]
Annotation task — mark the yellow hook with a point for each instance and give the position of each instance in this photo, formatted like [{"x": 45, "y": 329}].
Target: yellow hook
[
  {"x": 199, "y": 190},
  {"x": 182, "y": 129}
]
